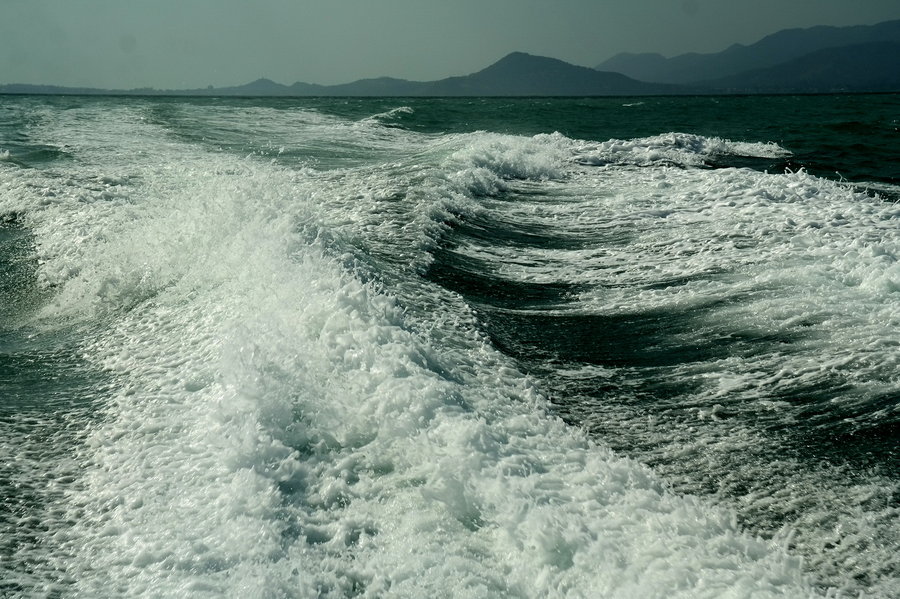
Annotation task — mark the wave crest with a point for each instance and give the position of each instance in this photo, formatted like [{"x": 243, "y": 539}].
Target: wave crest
[{"x": 683, "y": 149}]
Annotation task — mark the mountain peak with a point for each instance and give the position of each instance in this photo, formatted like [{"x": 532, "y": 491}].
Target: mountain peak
[
  {"x": 523, "y": 74},
  {"x": 524, "y": 60},
  {"x": 263, "y": 85}
]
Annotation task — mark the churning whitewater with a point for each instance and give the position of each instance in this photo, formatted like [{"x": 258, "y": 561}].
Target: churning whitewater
[{"x": 277, "y": 348}]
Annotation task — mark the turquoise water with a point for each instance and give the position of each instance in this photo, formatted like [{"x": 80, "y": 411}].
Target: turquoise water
[{"x": 466, "y": 348}]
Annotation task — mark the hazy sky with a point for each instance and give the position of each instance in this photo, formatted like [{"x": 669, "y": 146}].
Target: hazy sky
[{"x": 194, "y": 43}]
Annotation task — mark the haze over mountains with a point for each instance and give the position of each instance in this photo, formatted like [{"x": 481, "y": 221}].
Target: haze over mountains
[
  {"x": 815, "y": 60},
  {"x": 517, "y": 74},
  {"x": 858, "y": 58}
]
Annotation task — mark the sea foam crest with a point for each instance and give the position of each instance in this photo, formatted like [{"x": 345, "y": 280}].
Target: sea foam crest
[
  {"x": 486, "y": 160},
  {"x": 672, "y": 148},
  {"x": 388, "y": 117}
]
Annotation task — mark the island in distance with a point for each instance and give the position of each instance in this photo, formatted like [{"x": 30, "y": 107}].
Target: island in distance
[{"x": 815, "y": 60}]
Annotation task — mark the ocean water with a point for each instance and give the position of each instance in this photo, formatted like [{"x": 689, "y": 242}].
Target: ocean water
[{"x": 640, "y": 347}]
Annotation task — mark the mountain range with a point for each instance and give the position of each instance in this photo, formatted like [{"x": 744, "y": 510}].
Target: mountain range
[
  {"x": 815, "y": 60},
  {"x": 774, "y": 50}
]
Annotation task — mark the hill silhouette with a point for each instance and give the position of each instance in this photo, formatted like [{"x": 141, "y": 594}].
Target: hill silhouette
[
  {"x": 862, "y": 67},
  {"x": 815, "y": 60},
  {"x": 771, "y": 51}
]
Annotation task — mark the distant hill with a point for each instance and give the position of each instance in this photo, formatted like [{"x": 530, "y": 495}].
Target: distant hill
[
  {"x": 517, "y": 74},
  {"x": 260, "y": 87},
  {"x": 770, "y": 51},
  {"x": 520, "y": 74},
  {"x": 863, "y": 67},
  {"x": 56, "y": 90}
]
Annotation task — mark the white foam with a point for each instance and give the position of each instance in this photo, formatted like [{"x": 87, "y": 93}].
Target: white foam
[
  {"x": 388, "y": 115},
  {"x": 672, "y": 148},
  {"x": 747, "y": 255},
  {"x": 277, "y": 427}
]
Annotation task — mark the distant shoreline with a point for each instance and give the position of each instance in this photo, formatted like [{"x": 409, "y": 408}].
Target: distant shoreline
[{"x": 711, "y": 94}]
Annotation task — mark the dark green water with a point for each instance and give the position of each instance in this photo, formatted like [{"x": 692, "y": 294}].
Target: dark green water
[
  {"x": 849, "y": 136},
  {"x": 852, "y": 137}
]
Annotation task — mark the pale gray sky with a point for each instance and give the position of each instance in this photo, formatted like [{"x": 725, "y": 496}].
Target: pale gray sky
[{"x": 193, "y": 43}]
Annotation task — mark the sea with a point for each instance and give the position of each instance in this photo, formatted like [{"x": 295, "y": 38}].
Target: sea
[{"x": 450, "y": 347}]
